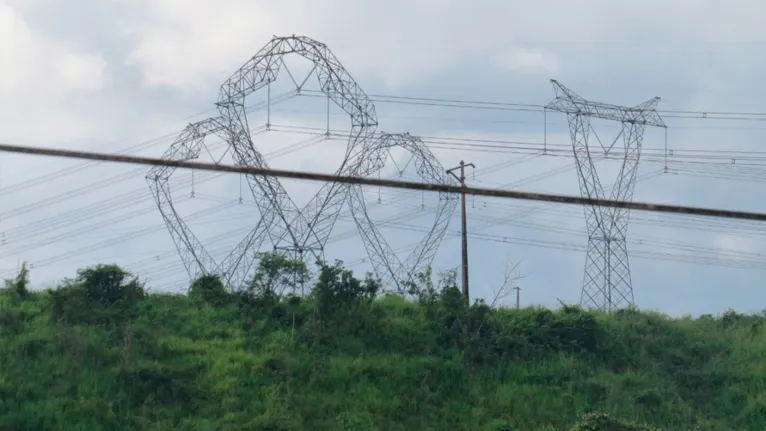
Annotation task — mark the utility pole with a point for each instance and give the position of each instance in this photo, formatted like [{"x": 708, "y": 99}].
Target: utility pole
[
  {"x": 464, "y": 225},
  {"x": 518, "y": 303}
]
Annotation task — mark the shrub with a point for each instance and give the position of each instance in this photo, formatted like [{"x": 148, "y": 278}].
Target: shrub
[{"x": 99, "y": 295}]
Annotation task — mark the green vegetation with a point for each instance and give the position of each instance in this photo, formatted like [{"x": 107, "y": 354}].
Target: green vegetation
[{"x": 100, "y": 353}]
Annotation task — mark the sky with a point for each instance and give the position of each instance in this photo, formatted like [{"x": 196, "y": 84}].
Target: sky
[{"x": 129, "y": 75}]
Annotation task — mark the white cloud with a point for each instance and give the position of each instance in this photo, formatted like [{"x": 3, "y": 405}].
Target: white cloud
[
  {"x": 39, "y": 77},
  {"x": 184, "y": 45},
  {"x": 528, "y": 60},
  {"x": 193, "y": 43},
  {"x": 484, "y": 50},
  {"x": 737, "y": 244},
  {"x": 32, "y": 62}
]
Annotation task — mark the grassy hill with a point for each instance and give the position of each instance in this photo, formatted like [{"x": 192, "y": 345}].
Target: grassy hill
[{"x": 99, "y": 353}]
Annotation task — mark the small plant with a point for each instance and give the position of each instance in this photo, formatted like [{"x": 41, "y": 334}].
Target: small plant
[
  {"x": 19, "y": 286},
  {"x": 598, "y": 421}
]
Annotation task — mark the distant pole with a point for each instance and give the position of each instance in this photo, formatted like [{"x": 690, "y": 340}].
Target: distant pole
[
  {"x": 518, "y": 296},
  {"x": 464, "y": 225}
]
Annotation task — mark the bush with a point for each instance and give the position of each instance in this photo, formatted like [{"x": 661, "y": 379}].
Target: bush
[
  {"x": 99, "y": 352},
  {"x": 100, "y": 295},
  {"x": 209, "y": 289}
]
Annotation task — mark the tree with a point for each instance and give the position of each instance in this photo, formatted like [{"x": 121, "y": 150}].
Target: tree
[
  {"x": 277, "y": 272},
  {"x": 110, "y": 284},
  {"x": 102, "y": 294},
  {"x": 422, "y": 288},
  {"x": 20, "y": 284},
  {"x": 511, "y": 278},
  {"x": 338, "y": 292},
  {"x": 209, "y": 288}
]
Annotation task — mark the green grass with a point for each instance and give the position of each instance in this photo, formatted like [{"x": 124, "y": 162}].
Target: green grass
[{"x": 100, "y": 354}]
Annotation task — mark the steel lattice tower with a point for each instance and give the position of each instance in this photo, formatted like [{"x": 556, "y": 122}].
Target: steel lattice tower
[
  {"x": 282, "y": 222},
  {"x": 290, "y": 228},
  {"x": 607, "y": 282},
  {"x": 392, "y": 271},
  {"x": 234, "y": 269}
]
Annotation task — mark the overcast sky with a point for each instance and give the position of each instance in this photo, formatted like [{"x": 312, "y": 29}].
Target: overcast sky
[{"x": 127, "y": 75}]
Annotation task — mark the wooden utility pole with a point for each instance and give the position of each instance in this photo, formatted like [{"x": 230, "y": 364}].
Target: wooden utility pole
[
  {"x": 518, "y": 290},
  {"x": 464, "y": 225}
]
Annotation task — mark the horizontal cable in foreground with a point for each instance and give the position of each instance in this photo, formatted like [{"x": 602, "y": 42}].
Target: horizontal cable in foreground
[{"x": 411, "y": 185}]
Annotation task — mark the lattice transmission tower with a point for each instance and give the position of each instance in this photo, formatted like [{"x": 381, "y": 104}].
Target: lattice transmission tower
[
  {"x": 286, "y": 226},
  {"x": 236, "y": 266},
  {"x": 607, "y": 281},
  {"x": 392, "y": 271},
  {"x": 290, "y": 228}
]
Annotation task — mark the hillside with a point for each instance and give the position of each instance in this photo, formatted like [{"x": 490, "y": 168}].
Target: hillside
[{"x": 101, "y": 353}]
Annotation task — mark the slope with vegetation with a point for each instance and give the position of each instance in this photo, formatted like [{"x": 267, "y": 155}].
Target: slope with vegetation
[{"x": 100, "y": 353}]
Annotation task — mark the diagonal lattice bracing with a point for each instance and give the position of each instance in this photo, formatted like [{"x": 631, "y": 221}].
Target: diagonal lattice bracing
[
  {"x": 297, "y": 229},
  {"x": 282, "y": 223},
  {"x": 197, "y": 261},
  {"x": 606, "y": 282},
  {"x": 392, "y": 272}
]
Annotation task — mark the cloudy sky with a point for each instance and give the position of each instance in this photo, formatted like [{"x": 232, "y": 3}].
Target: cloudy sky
[{"x": 128, "y": 75}]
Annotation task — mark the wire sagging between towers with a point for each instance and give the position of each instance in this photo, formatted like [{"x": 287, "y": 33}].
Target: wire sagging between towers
[
  {"x": 409, "y": 185},
  {"x": 397, "y": 184},
  {"x": 299, "y": 231}
]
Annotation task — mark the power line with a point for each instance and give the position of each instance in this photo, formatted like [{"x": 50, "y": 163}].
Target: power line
[
  {"x": 506, "y": 146},
  {"x": 540, "y": 227},
  {"x": 168, "y": 270},
  {"x": 740, "y": 171},
  {"x": 463, "y": 143},
  {"x": 534, "y": 107},
  {"x": 682, "y": 258},
  {"x": 507, "y": 185},
  {"x": 500, "y": 220},
  {"x": 411, "y": 185}
]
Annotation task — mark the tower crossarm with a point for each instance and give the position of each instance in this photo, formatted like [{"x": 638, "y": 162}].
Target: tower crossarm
[{"x": 569, "y": 102}]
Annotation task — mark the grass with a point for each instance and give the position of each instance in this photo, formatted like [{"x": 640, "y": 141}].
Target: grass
[{"x": 99, "y": 353}]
